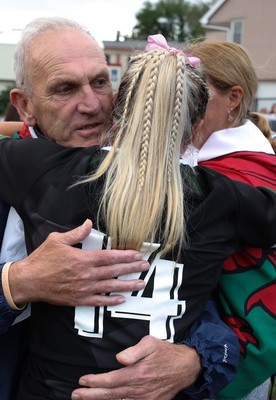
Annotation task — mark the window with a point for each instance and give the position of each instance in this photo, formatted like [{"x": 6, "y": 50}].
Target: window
[
  {"x": 236, "y": 31},
  {"x": 114, "y": 75}
]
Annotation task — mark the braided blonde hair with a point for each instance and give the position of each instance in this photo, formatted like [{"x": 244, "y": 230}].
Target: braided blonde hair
[{"x": 159, "y": 100}]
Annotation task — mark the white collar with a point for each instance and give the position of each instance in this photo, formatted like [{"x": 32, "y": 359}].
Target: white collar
[{"x": 246, "y": 137}]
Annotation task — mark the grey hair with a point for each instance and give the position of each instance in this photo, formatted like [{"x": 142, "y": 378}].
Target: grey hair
[{"x": 32, "y": 30}]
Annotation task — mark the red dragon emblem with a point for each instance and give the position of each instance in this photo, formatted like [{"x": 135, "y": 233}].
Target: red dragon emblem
[
  {"x": 244, "y": 332},
  {"x": 264, "y": 296}
]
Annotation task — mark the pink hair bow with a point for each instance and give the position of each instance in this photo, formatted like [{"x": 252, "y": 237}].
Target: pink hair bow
[{"x": 157, "y": 42}]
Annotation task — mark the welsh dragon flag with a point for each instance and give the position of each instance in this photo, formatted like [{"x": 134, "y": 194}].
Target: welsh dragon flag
[{"x": 249, "y": 300}]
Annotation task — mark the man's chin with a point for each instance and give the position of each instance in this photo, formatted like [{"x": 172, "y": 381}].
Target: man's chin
[{"x": 85, "y": 141}]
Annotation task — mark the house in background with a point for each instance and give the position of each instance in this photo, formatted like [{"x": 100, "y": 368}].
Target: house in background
[
  {"x": 247, "y": 22},
  {"x": 117, "y": 54},
  {"x": 250, "y": 23}
]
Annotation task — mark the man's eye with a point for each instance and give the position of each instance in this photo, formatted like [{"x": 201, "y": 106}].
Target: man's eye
[
  {"x": 63, "y": 90},
  {"x": 101, "y": 82}
]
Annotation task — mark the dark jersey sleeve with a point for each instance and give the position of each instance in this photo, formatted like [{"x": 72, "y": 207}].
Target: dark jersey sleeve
[
  {"x": 4, "y": 211},
  {"x": 21, "y": 162},
  {"x": 252, "y": 209}
]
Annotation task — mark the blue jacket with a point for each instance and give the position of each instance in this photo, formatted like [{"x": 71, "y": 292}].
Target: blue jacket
[{"x": 218, "y": 347}]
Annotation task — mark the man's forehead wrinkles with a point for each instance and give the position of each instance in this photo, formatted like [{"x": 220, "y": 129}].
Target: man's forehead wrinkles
[{"x": 70, "y": 59}]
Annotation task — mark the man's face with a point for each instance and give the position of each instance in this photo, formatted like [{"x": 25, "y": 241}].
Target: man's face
[{"x": 71, "y": 91}]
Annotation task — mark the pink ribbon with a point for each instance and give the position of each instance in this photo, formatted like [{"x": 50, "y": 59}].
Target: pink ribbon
[{"x": 157, "y": 42}]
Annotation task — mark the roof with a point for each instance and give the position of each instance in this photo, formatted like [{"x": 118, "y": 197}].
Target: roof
[
  {"x": 130, "y": 45},
  {"x": 212, "y": 10},
  {"x": 125, "y": 45}
]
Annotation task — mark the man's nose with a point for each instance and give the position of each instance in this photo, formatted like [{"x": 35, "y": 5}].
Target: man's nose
[{"x": 89, "y": 101}]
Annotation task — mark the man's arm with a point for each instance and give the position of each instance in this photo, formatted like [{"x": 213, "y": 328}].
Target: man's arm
[
  {"x": 83, "y": 275},
  {"x": 156, "y": 370}
]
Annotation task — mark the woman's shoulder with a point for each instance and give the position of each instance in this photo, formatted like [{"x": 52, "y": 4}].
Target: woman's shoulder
[{"x": 202, "y": 180}]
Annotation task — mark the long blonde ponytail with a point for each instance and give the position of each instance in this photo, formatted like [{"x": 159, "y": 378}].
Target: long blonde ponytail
[{"x": 143, "y": 197}]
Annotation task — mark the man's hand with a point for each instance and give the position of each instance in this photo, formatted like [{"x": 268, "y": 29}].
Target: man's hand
[
  {"x": 60, "y": 274},
  {"x": 154, "y": 370}
]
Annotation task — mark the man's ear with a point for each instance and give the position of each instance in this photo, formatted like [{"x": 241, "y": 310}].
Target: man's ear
[
  {"x": 22, "y": 103},
  {"x": 235, "y": 96}
]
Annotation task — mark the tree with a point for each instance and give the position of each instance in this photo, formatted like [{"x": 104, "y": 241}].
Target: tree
[{"x": 177, "y": 20}]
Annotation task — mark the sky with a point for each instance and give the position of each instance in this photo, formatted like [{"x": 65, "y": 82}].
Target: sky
[{"x": 102, "y": 17}]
